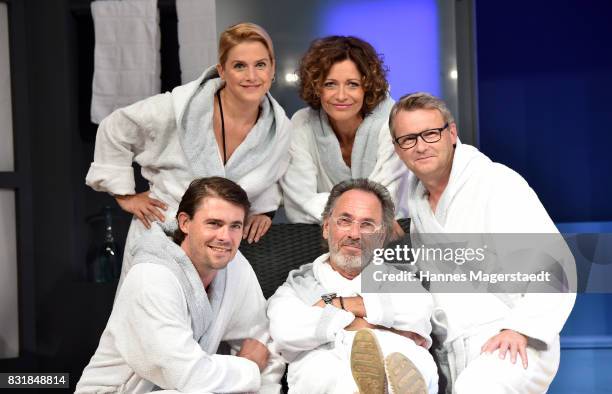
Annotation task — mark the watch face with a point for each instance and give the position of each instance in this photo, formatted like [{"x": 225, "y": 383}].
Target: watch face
[{"x": 328, "y": 298}]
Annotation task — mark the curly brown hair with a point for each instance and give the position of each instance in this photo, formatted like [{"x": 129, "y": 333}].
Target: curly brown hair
[{"x": 327, "y": 51}]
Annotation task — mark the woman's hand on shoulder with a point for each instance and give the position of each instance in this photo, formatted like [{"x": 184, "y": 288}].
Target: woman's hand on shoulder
[
  {"x": 145, "y": 208},
  {"x": 256, "y": 226}
]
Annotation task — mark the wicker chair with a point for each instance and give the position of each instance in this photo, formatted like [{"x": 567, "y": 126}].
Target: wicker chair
[
  {"x": 288, "y": 246},
  {"x": 283, "y": 248}
]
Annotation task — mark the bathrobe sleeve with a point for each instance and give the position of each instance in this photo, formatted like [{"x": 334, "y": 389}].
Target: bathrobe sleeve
[
  {"x": 250, "y": 321},
  {"x": 296, "y": 326},
  {"x": 126, "y": 135},
  {"x": 401, "y": 311},
  {"x": 267, "y": 201},
  {"x": 303, "y": 202},
  {"x": 515, "y": 208},
  {"x": 154, "y": 336}
]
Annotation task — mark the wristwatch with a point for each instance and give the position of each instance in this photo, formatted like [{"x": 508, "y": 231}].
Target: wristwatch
[{"x": 328, "y": 298}]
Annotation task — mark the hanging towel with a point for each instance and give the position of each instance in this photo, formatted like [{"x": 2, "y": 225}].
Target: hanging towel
[
  {"x": 126, "y": 55},
  {"x": 197, "y": 37}
]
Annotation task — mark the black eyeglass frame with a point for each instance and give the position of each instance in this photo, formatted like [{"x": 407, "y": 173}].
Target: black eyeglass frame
[{"x": 438, "y": 131}]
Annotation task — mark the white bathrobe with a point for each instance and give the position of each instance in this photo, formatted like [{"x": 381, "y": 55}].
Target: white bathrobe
[
  {"x": 171, "y": 137},
  {"x": 315, "y": 169},
  {"x": 489, "y": 198},
  {"x": 149, "y": 339},
  {"x": 313, "y": 339}
]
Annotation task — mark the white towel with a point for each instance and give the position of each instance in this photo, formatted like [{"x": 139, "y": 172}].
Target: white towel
[
  {"x": 468, "y": 163},
  {"x": 197, "y": 36},
  {"x": 364, "y": 155},
  {"x": 126, "y": 55}
]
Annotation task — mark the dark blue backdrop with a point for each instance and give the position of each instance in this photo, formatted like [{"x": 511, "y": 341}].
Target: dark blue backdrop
[
  {"x": 545, "y": 77},
  {"x": 544, "y": 82}
]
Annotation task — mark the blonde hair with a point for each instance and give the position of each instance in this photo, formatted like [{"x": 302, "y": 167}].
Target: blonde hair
[
  {"x": 419, "y": 100},
  {"x": 243, "y": 32}
]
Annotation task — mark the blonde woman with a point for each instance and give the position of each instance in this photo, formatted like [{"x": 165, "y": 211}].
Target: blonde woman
[{"x": 225, "y": 124}]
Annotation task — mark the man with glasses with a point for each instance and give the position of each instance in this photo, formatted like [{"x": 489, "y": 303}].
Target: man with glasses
[
  {"x": 453, "y": 188},
  {"x": 326, "y": 327}
]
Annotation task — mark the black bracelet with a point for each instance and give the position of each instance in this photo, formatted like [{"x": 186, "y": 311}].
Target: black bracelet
[
  {"x": 270, "y": 214},
  {"x": 341, "y": 303}
]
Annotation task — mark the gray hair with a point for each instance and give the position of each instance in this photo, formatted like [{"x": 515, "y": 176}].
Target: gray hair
[
  {"x": 366, "y": 185},
  {"x": 420, "y": 100}
]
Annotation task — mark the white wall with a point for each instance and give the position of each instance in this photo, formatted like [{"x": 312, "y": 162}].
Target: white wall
[
  {"x": 6, "y": 115},
  {"x": 9, "y": 314}
]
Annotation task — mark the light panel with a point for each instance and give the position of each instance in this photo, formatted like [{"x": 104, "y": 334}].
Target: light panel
[{"x": 405, "y": 32}]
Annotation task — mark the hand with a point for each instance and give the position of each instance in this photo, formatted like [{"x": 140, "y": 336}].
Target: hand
[
  {"x": 354, "y": 305},
  {"x": 256, "y": 226},
  {"x": 508, "y": 339},
  {"x": 398, "y": 231},
  {"x": 358, "y": 324},
  {"x": 145, "y": 208},
  {"x": 255, "y": 351}
]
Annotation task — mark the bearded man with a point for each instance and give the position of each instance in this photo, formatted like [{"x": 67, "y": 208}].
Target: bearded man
[{"x": 337, "y": 338}]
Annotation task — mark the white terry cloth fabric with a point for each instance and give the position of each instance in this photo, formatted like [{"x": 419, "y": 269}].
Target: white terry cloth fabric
[
  {"x": 489, "y": 198},
  {"x": 317, "y": 165},
  {"x": 126, "y": 54},
  {"x": 150, "y": 336},
  {"x": 487, "y": 373},
  {"x": 314, "y": 341},
  {"x": 197, "y": 36},
  {"x": 159, "y": 134}
]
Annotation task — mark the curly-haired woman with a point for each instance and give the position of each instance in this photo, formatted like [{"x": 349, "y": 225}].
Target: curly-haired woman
[{"x": 343, "y": 133}]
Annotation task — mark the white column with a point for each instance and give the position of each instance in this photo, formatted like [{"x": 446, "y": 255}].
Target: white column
[
  {"x": 9, "y": 312},
  {"x": 6, "y": 108}
]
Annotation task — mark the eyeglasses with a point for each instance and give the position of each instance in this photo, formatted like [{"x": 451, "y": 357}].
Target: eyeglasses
[
  {"x": 430, "y": 136},
  {"x": 365, "y": 226}
]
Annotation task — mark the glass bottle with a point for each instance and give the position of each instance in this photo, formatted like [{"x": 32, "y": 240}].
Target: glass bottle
[{"x": 106, "y": 266}]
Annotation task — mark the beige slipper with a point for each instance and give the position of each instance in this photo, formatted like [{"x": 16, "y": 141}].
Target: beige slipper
[
  {"x": 367, "y": 363},
  {"x": 403, "y": 375}
]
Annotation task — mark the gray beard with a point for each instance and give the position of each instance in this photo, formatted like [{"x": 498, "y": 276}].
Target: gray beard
[
  {"x": 350, "y": 263},
  {"x": 346, "y": 263}
]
